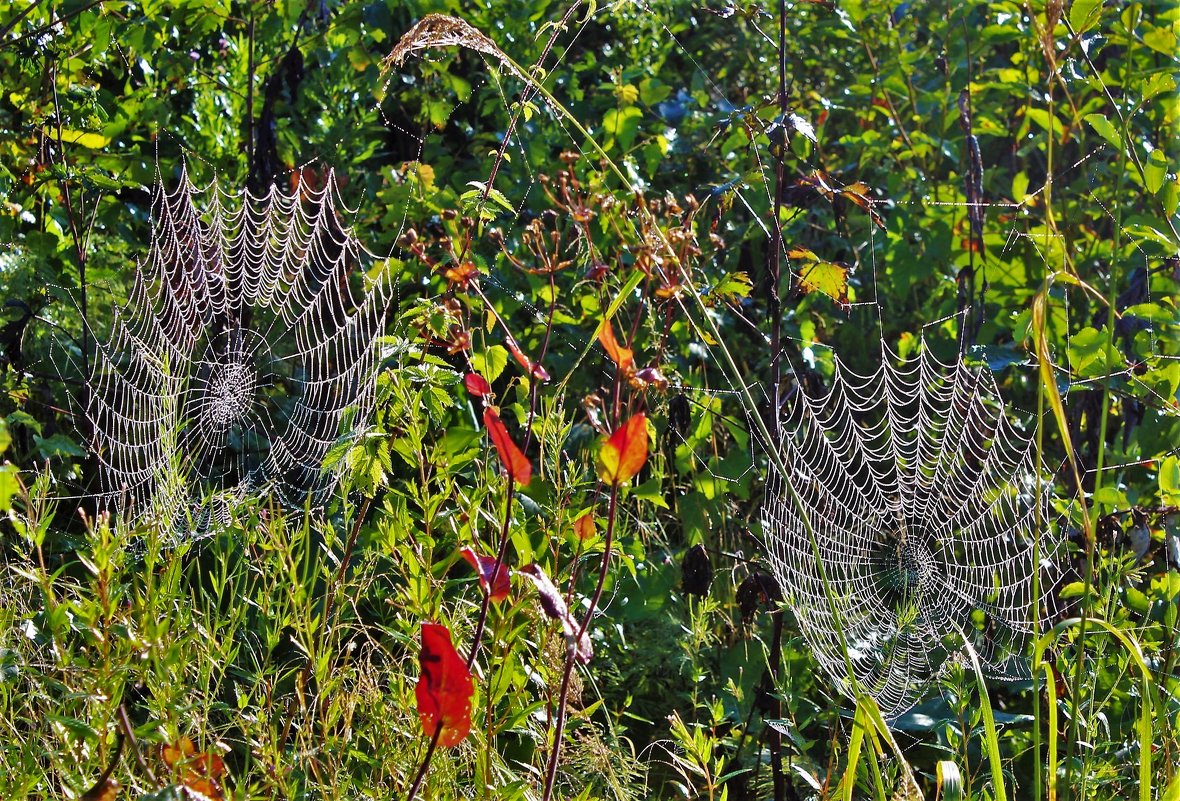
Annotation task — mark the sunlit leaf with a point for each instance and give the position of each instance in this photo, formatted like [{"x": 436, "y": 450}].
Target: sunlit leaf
[
  {"x": 827, "y": 277},
  {"x": 584, "y": 526},
  {"x": 623, "y": 357},
  {"x": 516, "y": 465},
  {"x": 625, "y": 452}
]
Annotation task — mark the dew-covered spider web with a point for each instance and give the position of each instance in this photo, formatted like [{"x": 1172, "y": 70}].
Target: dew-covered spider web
[
  {"x": 925, "y": 504},
  {"x": 248, "y": 343}
]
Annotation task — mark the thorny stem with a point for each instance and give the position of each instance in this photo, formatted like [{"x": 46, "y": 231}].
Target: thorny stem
[{"x": 563, "y": 694}]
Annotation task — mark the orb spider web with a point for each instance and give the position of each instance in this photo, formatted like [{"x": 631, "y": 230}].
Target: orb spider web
[
  {"x": 925, "y": 504},
  {"x": 247, "y": 344}
]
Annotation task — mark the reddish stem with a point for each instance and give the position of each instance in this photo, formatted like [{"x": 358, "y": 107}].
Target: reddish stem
[{"x": 563, "y": 694}]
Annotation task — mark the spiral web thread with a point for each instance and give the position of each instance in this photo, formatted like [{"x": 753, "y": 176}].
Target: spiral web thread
[
  {"x": 925, "y": 505},
  {"x": 250, "y": 339}
]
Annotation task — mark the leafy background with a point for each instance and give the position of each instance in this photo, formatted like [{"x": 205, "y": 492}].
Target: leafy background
[{"x": 1074, "y": 109}]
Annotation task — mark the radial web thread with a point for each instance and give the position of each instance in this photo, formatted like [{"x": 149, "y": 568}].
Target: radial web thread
[
  {"x": 249, "y": 340},
  {"x": 925, "y": 503}
]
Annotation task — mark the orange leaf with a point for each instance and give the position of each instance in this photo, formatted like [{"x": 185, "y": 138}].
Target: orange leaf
[
  {"x": 515, "y": 463},
  {"x": 199, "y": 773},
  {"x": 460, "y": 275},
  {"x": 494, "y": 581},
  {"x": 621, "y": 356},
  {"x": 445, "y": 688},
  {"x": 584, "y": 526},
  {"x": 624, "y": 454}
]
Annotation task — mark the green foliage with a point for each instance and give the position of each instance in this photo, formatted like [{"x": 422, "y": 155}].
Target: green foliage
[{"x": 287, "y": 642}]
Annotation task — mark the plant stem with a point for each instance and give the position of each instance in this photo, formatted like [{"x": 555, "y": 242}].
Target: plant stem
[
  {"x": 501, "y": 554},
  {"x": 563, "y": 693},
  {"x": 421, "y": 774}
]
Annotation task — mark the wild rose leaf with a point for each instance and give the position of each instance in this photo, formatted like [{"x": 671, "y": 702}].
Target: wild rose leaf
[
  {"x": 625, "y": 453},
  {"x": 621, "y": 356},
  {"x": 477, "y": 385},
  {"x": 495, "y": 582},
  {"x": 444, "y": 689},
  {"x": 553, "y": 604},
  {"x": 515, "y": 463}
]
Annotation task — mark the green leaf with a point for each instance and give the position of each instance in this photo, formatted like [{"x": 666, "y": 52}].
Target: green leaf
[
  {"x": 652, "y": 492},
  {"x": 731, "y": 287},
  {"x": 8, "y": 485},
  {"x": 1105, "y": 129},
  {"x": 1161, "y": 40},
  {"x": 1173, "y": 791},
  {"x": 1155, "y": 171},
  {"x": 950, "y": 781},
  {"x": 621, "y": 126},
  {"x": 91, "y": 140},
  {"x": 1084, "y": 13},
  {"x": 1169, "y": 480},
  {"x": 491, "y": 362}
]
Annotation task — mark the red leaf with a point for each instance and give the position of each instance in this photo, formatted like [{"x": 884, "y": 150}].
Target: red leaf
[
  {"x": 624, "y": 454},
  {"x": 621, "y": 356},
  {"x": 515, "y": 463},
  {"x": 494, "y": 582},
  {"x": 553, "y": 604},
  {"x": 445, "y": 688},
  {"x": 477, "y": 385}
]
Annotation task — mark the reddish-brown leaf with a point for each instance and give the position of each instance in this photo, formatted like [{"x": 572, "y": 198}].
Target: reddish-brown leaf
[
  {"x": 444, "y": 689},
  {"x": 531, "y": 367},
  {"x": 624, "y": 454},
  {"x": 477, "y": 385},
  {"x": 553, "y": 604},
  {"x": 621, "y": 356},
  {"x": 515, "y": 463},
  {"x": 199, "y": 773},
  {"x": 495, "y": 582}
]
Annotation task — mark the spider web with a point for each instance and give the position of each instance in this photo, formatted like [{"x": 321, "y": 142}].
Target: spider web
[
  {"x": 925, "y": 506},
  {"x": 247, "y": 343}
]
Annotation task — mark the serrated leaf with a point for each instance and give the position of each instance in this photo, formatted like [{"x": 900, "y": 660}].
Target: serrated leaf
[
  {"x": 827, "y": 277},
  {"x": 491, "y": 362}
]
